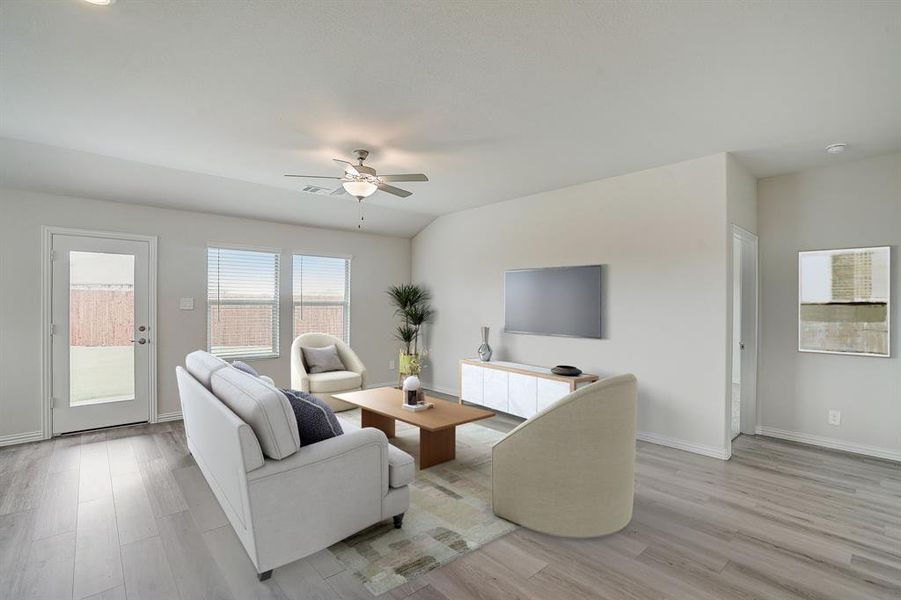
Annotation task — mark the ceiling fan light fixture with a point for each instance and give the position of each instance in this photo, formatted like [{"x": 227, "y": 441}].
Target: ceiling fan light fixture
[{"x": 360, "y": 189}]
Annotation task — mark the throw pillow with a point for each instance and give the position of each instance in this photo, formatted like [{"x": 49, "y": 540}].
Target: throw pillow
[
  {"x": 323, "y": 360},
  {"x": 243, "y": 366},
  {"x": 316, "y": 421}
]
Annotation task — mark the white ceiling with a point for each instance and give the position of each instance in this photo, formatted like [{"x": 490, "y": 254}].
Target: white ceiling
[{"x": 163, "y": 102}]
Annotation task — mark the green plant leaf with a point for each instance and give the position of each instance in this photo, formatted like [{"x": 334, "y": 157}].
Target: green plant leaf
[
  {"x": 410, "y": 302},
  {"x": 406, "y": 296},
  {"x": 418, "y": 314},
  {"x": 405, "y": 333}
]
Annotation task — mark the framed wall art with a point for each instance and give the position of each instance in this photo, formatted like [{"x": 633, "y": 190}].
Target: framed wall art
[{"x": 844, "y": 301}]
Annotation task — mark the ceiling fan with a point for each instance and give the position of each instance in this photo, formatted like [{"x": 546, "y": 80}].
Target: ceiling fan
[{"x": 361, "y": 181}]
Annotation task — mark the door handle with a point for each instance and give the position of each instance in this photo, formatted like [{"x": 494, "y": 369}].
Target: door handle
[{"x": 139, "y": 340}]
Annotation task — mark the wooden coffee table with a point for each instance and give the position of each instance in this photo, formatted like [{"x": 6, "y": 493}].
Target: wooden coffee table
[{"x": 437, "y": 426}]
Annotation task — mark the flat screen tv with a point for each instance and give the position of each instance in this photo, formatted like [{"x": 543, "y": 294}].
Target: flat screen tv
[{"x": 562, "y": 301}]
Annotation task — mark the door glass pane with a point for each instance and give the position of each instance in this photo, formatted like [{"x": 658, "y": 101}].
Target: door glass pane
[{"x": 101, "y": 322}]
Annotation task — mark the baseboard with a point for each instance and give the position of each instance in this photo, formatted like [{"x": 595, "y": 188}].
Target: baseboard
[
  {"x": 424, "y": 386},
  {"x": 21, "y": 438},
  {"x": 831, "y": 443},
  {"x": 169, "y": 416},
  {"x": 653, "y": 438},
  {"x": 442, "y": 390},
  {"x": 369, "y": 386},
  {"x": 702, "y": 449}
]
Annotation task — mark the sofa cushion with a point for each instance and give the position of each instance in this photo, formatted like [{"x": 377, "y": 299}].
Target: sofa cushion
[
  {"x": 335, "y": 381},
  {"x": 322, "y": 360},
  {"x": 263, "y": 407},
  {"x": 401, "y": 468},
  {"x": 316, "y": 421},
  {"x": 201, "y": 365}
]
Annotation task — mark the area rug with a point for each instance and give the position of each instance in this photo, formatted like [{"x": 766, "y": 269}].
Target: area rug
[{"x": 449, "y": 516}]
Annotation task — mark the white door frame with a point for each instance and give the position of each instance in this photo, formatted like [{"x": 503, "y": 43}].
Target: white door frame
[
  {"x": 47, "y": 233},
  {"x": 746, "y": 236}
]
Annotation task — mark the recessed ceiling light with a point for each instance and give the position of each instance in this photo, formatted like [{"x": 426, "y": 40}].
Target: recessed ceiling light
[
  {"x": 101, "y": 2},
  {"x": 836, "y": 148}
]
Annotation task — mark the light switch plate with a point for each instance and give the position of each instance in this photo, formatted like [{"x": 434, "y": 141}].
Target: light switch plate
[{"x": 186, "y": 303}]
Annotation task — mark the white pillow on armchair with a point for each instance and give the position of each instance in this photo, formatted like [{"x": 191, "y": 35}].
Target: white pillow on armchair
[{"x": 322, "y": 360}]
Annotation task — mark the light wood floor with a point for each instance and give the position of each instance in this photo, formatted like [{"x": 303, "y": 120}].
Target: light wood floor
[{"x": 126, "y": 513}]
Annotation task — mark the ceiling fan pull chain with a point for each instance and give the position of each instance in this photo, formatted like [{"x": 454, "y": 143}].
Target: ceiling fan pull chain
[{"x": 360, "y": 224}]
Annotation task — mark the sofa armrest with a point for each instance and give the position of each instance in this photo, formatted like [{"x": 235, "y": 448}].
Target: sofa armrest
[
  {"x": 351, "y": 361},
  {"x": 327, "y": 450},
  {"x": 268, "y": 380},
  {"x": 318, "y": 496},
  {"x": 300, "y": 379}
]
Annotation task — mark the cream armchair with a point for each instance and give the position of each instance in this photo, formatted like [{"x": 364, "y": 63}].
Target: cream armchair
[
  {"x": 569, "y": 470},
  {"x": 323, "y": 385}
]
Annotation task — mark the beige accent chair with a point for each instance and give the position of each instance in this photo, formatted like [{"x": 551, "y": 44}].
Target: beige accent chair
[
  {"x": 323, "y": 385},
  {"x": 569, "y": 470}
]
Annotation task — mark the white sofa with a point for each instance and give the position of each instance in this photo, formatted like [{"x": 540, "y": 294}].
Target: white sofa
[
  {"x": 284, "y": 501},
  {"x": 323, "y": 385}
]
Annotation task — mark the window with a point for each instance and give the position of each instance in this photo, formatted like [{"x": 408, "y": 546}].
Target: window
[
  {"x": 242, "y": 301},
  {"x": 322, "y": 296}
]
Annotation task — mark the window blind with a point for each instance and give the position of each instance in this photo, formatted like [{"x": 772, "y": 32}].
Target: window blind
[
  {"x": 322, "y": 295},
  {"x": 242, "y": 303}
]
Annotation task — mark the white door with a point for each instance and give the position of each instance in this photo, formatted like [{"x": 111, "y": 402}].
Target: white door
[
  {"x": 744, "y": 333},
  {"x": 101, "y": 341},
  {"x": 737, "y": 343}
]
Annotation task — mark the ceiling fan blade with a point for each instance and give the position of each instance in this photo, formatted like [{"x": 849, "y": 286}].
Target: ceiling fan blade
[
  {"x": 338, "y": 191},
  {"x": 404, "y": 177},
  {"x": 394, "y": 190},
  {"x": 350, "y": 168},
  {"x": 314, "y": 176}
]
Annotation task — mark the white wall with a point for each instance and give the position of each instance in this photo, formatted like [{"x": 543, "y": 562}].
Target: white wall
[
  {"x": 663, "y": 236},
  {"x": 741, "y": 196},
  {"x": 378, "y": 262},
  {"x": 847, "y": 205}
]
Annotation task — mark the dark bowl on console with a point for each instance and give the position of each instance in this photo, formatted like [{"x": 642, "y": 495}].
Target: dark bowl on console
[{"x": 566, "y": 370}]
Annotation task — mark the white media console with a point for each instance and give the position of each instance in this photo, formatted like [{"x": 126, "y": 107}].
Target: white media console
[{"x": 520, "y": 390}]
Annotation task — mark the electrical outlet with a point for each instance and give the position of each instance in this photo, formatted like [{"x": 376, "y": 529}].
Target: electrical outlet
[
  {"x": 390, "y": 365},
  {"x": 835, "y": 417}
]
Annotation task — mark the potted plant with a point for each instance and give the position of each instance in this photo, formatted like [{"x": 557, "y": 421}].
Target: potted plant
[{"x": 411, "y": 303}]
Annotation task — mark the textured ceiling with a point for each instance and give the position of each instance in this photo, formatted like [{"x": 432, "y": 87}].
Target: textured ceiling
[{"x": 492, "y": 100}]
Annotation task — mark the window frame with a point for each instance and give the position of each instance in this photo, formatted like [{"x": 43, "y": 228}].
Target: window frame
[
  {"x": 348, "y": 259},
  {"x": 276, "y": 303}
]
